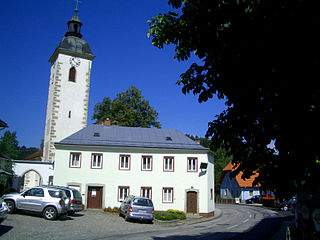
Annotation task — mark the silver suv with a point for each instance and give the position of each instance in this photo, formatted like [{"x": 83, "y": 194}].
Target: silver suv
[
  {"x": 75, "y": 199},
  {"x": 50, "y": 202},
  {"x": 137, "y": 208}
]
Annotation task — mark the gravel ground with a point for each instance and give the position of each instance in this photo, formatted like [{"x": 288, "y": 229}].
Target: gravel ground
[{"x": 89, "y": 224}]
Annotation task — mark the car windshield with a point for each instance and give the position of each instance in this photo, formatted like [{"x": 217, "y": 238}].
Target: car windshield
[
  {"x": 76, "y": 194},
  {"x": 142, "y": 202}
]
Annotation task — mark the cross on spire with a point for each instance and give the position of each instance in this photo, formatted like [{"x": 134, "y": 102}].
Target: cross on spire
[{"x": 77, "y": 3}]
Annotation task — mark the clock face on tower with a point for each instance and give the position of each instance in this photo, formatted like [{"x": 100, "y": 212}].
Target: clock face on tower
[{"x": 74, "y": 61}]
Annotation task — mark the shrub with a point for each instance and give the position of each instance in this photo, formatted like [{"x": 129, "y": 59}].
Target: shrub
[
  {"x": 175, "y": 211},
  {"x": 169, "y": 215},
  {"x": 268, "y": 202}
]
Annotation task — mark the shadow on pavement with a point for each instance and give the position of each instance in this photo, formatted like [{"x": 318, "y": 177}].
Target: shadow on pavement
[
  {"x": 4, "y": 229},
  {"x": 264, "y": 230}
]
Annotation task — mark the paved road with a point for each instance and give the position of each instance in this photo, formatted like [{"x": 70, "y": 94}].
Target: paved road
[{"x": 236, "y": 222}]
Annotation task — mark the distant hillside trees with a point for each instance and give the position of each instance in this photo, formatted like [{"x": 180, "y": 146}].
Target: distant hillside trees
[{"x": 9, "y": 145}]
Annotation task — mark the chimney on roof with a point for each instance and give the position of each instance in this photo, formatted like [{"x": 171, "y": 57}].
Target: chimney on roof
[{"x": 106, "y": 122}]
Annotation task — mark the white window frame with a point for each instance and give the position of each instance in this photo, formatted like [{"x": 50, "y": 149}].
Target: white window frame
[
  {"x": 166, "y": 164},
  {"x": 75, "y": 160},
  {"x": 146, "y": 163},
  {"x": 96, "y": 160},
  {"x": 124, "y": 162},
  {"x": 167, "y": 195},
  {"x": 123, "y": 192},
  {"x": 146, "y": 192},
  {"x": 192, "y": 164}
]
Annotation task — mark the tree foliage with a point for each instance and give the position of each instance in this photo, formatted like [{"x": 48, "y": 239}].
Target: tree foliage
[
  {"x": 128, "y": 108},
  {"x": 262, "y": 57},
  {"x": 3, "y": 125},
  {"x": 9, "y": 144}
]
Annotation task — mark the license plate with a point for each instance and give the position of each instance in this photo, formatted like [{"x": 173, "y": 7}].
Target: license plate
[{"x": 144, "y": 211}]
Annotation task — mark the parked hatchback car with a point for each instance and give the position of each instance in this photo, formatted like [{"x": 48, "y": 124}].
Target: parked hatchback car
[
  {"x": 254, "y": 199},
  {"x": 3, "y": 210},
  {"x": 51, "y": 202},
  {"x": 75, "y": 199},
  {"x": 137, "y": 208}
]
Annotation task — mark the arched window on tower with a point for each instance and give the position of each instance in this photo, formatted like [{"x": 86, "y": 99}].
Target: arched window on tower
[{"x": 72, "y": 74}]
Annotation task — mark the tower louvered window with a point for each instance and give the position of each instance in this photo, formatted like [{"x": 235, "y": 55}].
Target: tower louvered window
[{"x": 72, "y": 74}]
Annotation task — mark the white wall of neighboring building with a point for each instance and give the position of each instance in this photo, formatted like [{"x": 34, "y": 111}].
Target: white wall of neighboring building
[
  {"x": 37, "y": 173},
  {"x": 110, "y": 177}
]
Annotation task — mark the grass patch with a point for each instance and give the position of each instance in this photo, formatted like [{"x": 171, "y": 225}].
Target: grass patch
[{"x": 169, "y": 215}]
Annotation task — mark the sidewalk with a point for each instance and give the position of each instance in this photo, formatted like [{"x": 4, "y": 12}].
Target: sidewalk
[
  {"x": 281, "y": 233},
  {"x": 194, "y": 219}
]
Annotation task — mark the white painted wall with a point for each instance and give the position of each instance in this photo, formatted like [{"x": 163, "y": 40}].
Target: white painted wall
[
  {"x": 21, "y": 167},
  {"x": 111, "y": 177}
]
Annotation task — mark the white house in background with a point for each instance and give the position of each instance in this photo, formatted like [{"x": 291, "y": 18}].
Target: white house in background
[{"x": 107, "y": 163}]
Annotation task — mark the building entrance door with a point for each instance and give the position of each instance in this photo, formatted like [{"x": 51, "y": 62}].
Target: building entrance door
[
  {"x": 94, "y": 197},
  {"x": 192, "y": 202}
]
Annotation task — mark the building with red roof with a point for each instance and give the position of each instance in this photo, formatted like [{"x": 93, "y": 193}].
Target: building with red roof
[{"x": 237, "y": 187}]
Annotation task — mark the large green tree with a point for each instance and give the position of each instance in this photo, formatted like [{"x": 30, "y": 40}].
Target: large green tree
[
  {"x": 262, "y": 57},
  {"x": 128, "y": 108}
]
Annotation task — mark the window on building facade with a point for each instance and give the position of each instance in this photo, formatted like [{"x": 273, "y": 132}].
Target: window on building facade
[
  {"x": 72, "y": 74},
  {"x": 146, "y": 192},
  {"x": 146, "y": 163},
  {"x": 96, "y": 160},
  {"x": 168, "y": 164},
  {"x": 211, "y": 193},
  {"x": 75, "y": 160},
  {"x": 192, "y": 164},
  {"x": 123, "y": 192},
  {"x": 124, "y": 162},
  {"x": 167, "y": 195}
]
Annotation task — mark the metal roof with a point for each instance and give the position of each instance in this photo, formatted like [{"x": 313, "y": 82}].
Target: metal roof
[{"x": 116, "y": 136}]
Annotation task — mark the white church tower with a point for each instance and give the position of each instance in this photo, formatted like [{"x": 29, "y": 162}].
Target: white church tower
[{"x": 67, "y": 106}]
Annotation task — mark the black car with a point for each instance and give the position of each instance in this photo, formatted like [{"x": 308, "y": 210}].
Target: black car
[{"x": 254, "y": 199}]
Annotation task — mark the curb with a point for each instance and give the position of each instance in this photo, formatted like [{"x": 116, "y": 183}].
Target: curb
[
  {"x": 201, "y": 220},
  {"x": 197, "y": 220}
]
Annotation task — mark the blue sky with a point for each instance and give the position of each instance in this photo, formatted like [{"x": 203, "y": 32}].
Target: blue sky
[{"x": 116, "y": 31}]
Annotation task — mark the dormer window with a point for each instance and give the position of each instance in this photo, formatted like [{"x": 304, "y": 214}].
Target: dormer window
[{"x": 72, "y": 74}]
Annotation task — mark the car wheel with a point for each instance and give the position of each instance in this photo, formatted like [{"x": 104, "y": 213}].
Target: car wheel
[
  {"x": 10, "y": 205},
  {"x": 50, "y": 213}
]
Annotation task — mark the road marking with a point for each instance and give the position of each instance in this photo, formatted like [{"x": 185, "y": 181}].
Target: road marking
[
  {"x": 203, "y": 236},
  {"x": 246, "y": 220},
  {"x": 232, "y": 226}
]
